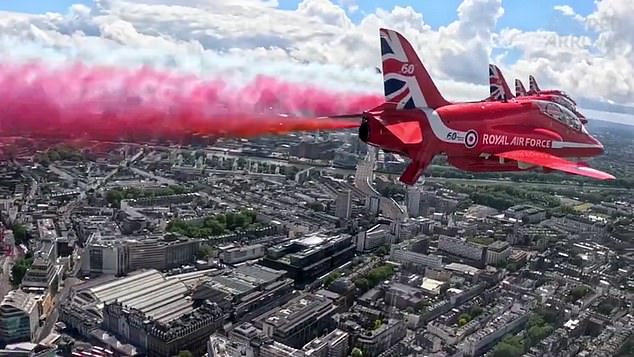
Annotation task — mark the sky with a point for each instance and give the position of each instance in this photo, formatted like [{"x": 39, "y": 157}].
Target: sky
[{"x": 583, "y": 47}]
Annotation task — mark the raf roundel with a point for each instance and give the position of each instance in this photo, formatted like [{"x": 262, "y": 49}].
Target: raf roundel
[{"x": 471, "y": 139}]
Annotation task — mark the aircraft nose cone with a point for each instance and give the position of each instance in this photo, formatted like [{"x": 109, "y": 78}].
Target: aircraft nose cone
[{"x": 599, "y": 146}]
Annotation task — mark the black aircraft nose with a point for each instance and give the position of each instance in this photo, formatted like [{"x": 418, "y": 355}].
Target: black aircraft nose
[{"x": 364, "y": 130}]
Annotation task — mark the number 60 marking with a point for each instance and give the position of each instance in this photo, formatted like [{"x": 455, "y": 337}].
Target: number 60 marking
[{"x": 407, "y": 68}]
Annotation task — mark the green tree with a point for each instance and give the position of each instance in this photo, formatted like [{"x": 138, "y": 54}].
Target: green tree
[
  {"x": 331, "y": 278},
  {"x": 19, "y": 234},
  {"x": 356, "y": 352},
  {"x": 579, "y": 292},
  {"x": 185, "y": 354},
  {"x": 506, "y": 350},
  {"x": 605, "y": 308},
  {"x": 475, "y": 310},
  {"x": 20, "y": 268},
  {"x": 381, "y": 251},
  {"x": 206, "y": 251},
  {"x": 511, "y": 346},
  {"x": 362, "y": 284},
  {"x": 577, "y": 260},
  {"x": 377, "y": 324},
  {"x": 464, "y": 317}
]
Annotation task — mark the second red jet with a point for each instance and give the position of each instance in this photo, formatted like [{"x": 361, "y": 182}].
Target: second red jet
[{"x": 416, "y": 121}]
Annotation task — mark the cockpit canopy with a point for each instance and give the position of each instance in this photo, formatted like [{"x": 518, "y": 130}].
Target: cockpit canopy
[
  {"x": 568, "y": 104},
  {"x": 560, "y": 113}
]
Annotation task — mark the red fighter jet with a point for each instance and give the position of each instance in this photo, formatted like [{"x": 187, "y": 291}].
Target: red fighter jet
[
  {"x": 533, "y": 88},
  {"x": 416, "y": 121},
  {"x": 499, "y": 90}
]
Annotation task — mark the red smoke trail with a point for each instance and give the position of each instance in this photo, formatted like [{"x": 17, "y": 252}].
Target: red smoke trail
[{"x": 110, "y": 104}]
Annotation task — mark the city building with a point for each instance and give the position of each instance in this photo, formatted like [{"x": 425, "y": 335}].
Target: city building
[
  {"x": 370, "y": 331},
  {"x": 367, "y": 241},
  {"x": 334, "y": 344},
  {"x": 497, "y": 252},
  {"x": 462, "y": 248},
  {"x": 399, "y": 254},
  {"x": 413, "y": 202},
  {"x": 343, "y": 204},
  {"x": 247, "y": 291},
  {"x": 298, "y": 321},
  {"x": 526, "y": 214},
  {"x": 19, "y": 317},
  {"x": 234, "y": 254},
  {"x": 119, "y": 255},
  {"x": 310, "y": 257},
  {"x": 162, "y": 329},
  {"x": 153, "y": 313}
]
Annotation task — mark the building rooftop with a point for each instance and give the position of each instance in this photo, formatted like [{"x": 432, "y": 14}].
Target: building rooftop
[
  {"x": 19, "y": 300},
  {"x": 98, "y": 239},
  {"x": 498, "y": 245},
  {"x": 46, "y": 229},
  {"x": 431, "y": 285},
  {"x": 332, "y": 338},
  {"x": 149, "y": 291},
  {"x": 298, "y": 310},
  {"x": 258, "y": 274},
  {"x": 463, "y": 268}
]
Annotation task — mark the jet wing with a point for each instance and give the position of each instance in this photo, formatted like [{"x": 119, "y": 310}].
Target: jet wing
[{"x": 556, "y": 163}]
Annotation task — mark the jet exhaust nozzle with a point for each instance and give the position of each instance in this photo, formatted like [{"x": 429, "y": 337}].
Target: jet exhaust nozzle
[{"x": 364, "y": 130}]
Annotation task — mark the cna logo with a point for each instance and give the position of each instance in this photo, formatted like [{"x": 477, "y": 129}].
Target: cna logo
[{"x": 471, "y": 139}]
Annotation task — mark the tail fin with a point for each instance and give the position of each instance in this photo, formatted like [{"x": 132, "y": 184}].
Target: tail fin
[
  {"x": 405, "y": 79},
  {"x": 532, "y": 84},
  {"x": 520, "y": 91},
  {"x": 499, "y": 88}
]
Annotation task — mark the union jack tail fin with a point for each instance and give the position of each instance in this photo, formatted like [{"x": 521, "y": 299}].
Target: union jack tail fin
[
  {"x": 498, "y": 87},
  {"x": 532, "y": 85},
  {"x": 405, "y": 79},
  {"x": 520, "y": 91}
]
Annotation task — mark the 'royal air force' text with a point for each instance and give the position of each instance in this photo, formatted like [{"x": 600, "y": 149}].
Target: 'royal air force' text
[{"x": 506, "y": 140}]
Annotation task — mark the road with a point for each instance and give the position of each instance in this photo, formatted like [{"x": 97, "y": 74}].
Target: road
[
  {"x": 159, "y": 179},
  {"x": 363, "y": 181},
  {"x": 61, "y": 173},
  {"x": 51, "y": 319}
]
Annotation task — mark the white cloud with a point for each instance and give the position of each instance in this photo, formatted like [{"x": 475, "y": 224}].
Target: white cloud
[
  {"x": 567, "y": 10},
  {"x": 317, "y": 42}
]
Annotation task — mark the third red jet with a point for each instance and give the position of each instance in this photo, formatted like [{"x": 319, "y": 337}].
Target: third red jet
[
  {"x": 416, "y": 121},
  {"x": 500, "y": 91}
]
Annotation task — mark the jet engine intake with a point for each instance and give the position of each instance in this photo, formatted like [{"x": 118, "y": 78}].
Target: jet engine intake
[{"x": 364, "y": 130}]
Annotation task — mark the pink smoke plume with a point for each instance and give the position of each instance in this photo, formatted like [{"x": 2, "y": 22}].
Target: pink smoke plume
[{"x": 105, "y": 103}]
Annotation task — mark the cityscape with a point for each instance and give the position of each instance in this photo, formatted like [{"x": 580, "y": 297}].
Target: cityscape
[{"x": 307, "y": 245}]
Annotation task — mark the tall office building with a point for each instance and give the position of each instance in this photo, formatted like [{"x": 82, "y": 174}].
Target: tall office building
[
  {"x": 413, "y": 202},
  {"x": 343, "y": 204}
]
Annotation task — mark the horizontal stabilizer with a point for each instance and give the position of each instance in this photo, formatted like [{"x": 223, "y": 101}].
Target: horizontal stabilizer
[
  {"x": 344, "y": 116},
  {"x": 554, "y": 162},
  {"x": 408, "y": 132}
]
